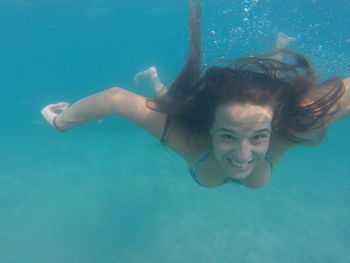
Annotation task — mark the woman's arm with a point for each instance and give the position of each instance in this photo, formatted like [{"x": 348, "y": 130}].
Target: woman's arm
[
  {"x": 278, "y": 146},
  {"x": 343, "y": 104},
  {"x": 117, "y": 101},
  {"x": 335, "y": 110},
  {"x": 94, "y": 107}
]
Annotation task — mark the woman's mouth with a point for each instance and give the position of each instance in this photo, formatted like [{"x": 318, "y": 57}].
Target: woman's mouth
[{"x": 238, "y": 165}]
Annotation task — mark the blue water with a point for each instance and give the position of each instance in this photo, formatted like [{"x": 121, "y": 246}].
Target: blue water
[{"x": 107, "y": 191}]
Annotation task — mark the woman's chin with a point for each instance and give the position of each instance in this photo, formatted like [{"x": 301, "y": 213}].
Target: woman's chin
[{"x": 240, "y": 176}]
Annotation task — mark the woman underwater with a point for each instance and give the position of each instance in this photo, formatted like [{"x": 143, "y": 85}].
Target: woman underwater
[{"x": 231, "y": 123}]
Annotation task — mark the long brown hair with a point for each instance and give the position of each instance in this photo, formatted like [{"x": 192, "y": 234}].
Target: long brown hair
[{"x": 300, "y": 104}]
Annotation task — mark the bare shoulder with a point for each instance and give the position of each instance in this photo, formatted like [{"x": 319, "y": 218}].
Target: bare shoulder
[{"x": 140, "y": 111}]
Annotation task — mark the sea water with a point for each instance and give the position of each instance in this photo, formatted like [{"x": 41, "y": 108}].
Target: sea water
[{"x": 107, "y": 191}]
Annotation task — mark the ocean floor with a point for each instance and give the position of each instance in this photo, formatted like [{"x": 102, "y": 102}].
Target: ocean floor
[{"x": 100, "y": 193}]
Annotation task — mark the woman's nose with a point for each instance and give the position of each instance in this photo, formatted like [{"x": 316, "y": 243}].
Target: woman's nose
[{"x": 243, "y": 153}]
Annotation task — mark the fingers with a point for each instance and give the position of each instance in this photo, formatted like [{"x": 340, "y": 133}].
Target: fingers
[
  {"x": 54, "y": 108},
  {"x": 137, "y": 79},
  {"x": 51, "y": 111},
  {"x": 59, "y": 106}
]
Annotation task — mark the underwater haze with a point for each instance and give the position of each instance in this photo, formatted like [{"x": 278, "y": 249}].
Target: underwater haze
[{"x": 108, "y": 192}]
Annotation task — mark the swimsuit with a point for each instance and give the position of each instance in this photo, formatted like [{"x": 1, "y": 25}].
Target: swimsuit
[{"x": 229, "y": 180}]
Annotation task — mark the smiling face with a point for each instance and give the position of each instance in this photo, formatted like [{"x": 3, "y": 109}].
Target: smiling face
[{"x": 241, "y": 136}]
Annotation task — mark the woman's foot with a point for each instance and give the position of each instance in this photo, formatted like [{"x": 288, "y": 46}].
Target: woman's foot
[
  {"x": 282, "y": 41},
  {"x": 152, "y": 75}
]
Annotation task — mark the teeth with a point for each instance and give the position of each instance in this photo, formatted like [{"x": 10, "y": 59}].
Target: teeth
[{"x": 239, "y": 164}]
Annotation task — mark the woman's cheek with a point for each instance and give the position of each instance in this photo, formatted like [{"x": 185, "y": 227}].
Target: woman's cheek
[{"x": 224, "y": 147}]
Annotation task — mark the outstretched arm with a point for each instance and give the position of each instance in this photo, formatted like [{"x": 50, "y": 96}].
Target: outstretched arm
[
  {"x": 101, "y": 103},
  {"x": 62, "y": 117},
  {"x": 116, "y": 101},
  {"x": 344, "y": 103}
]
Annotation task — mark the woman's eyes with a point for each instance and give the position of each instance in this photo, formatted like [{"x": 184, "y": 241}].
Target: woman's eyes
[
  {"x": 260, "y": 137},
  {"x": 227, "y": 137},
  {"x": 255, "y": 139}
]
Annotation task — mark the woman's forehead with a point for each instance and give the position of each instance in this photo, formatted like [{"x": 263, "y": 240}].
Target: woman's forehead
[{"x": 238, "y": 115}]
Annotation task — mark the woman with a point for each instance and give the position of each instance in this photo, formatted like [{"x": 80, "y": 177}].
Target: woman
[{"x": 231, "y": 123}]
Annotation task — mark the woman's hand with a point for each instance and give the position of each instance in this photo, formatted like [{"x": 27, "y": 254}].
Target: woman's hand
[{"x": 51, "y": 111}]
